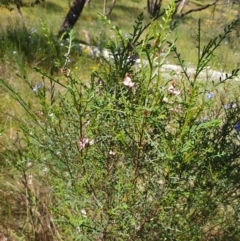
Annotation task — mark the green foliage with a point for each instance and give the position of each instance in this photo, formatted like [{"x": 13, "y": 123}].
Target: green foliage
[{"x": 122, "y": 157}]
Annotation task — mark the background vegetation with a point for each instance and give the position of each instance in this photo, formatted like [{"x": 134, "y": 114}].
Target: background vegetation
[{"x": 95, "y": 149}]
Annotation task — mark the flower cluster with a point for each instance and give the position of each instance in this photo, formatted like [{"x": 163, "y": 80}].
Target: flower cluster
[
  {"x": 172, "y": 90},
  {"x": 85, "y": 142}
]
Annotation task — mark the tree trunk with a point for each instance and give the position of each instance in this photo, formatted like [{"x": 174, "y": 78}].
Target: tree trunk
[
  {"x": 72, "y": 16},
  {"x": 154, "y": 7}
]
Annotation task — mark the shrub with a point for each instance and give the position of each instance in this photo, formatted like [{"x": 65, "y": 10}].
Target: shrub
[{"x": 130, "y": 155}]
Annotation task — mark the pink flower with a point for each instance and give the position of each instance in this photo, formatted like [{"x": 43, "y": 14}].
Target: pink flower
[
  {"x": 171, "y": 89},
  {"x": 128, "y": 81},
  {"x": 84, "y": 142}
]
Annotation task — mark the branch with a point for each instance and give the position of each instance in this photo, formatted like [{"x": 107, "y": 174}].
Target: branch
[
  {"x": 199, "y": 9},
  {"x": 110, "y": 9}
]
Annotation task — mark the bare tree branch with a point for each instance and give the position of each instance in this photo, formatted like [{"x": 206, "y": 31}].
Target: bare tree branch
[
  {"x": 199, "y": 9},
  {"x": 110, "y": 9}
]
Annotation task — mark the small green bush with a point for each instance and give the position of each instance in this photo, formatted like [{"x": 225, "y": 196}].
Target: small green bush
[{"x": 130, "y": 155}]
